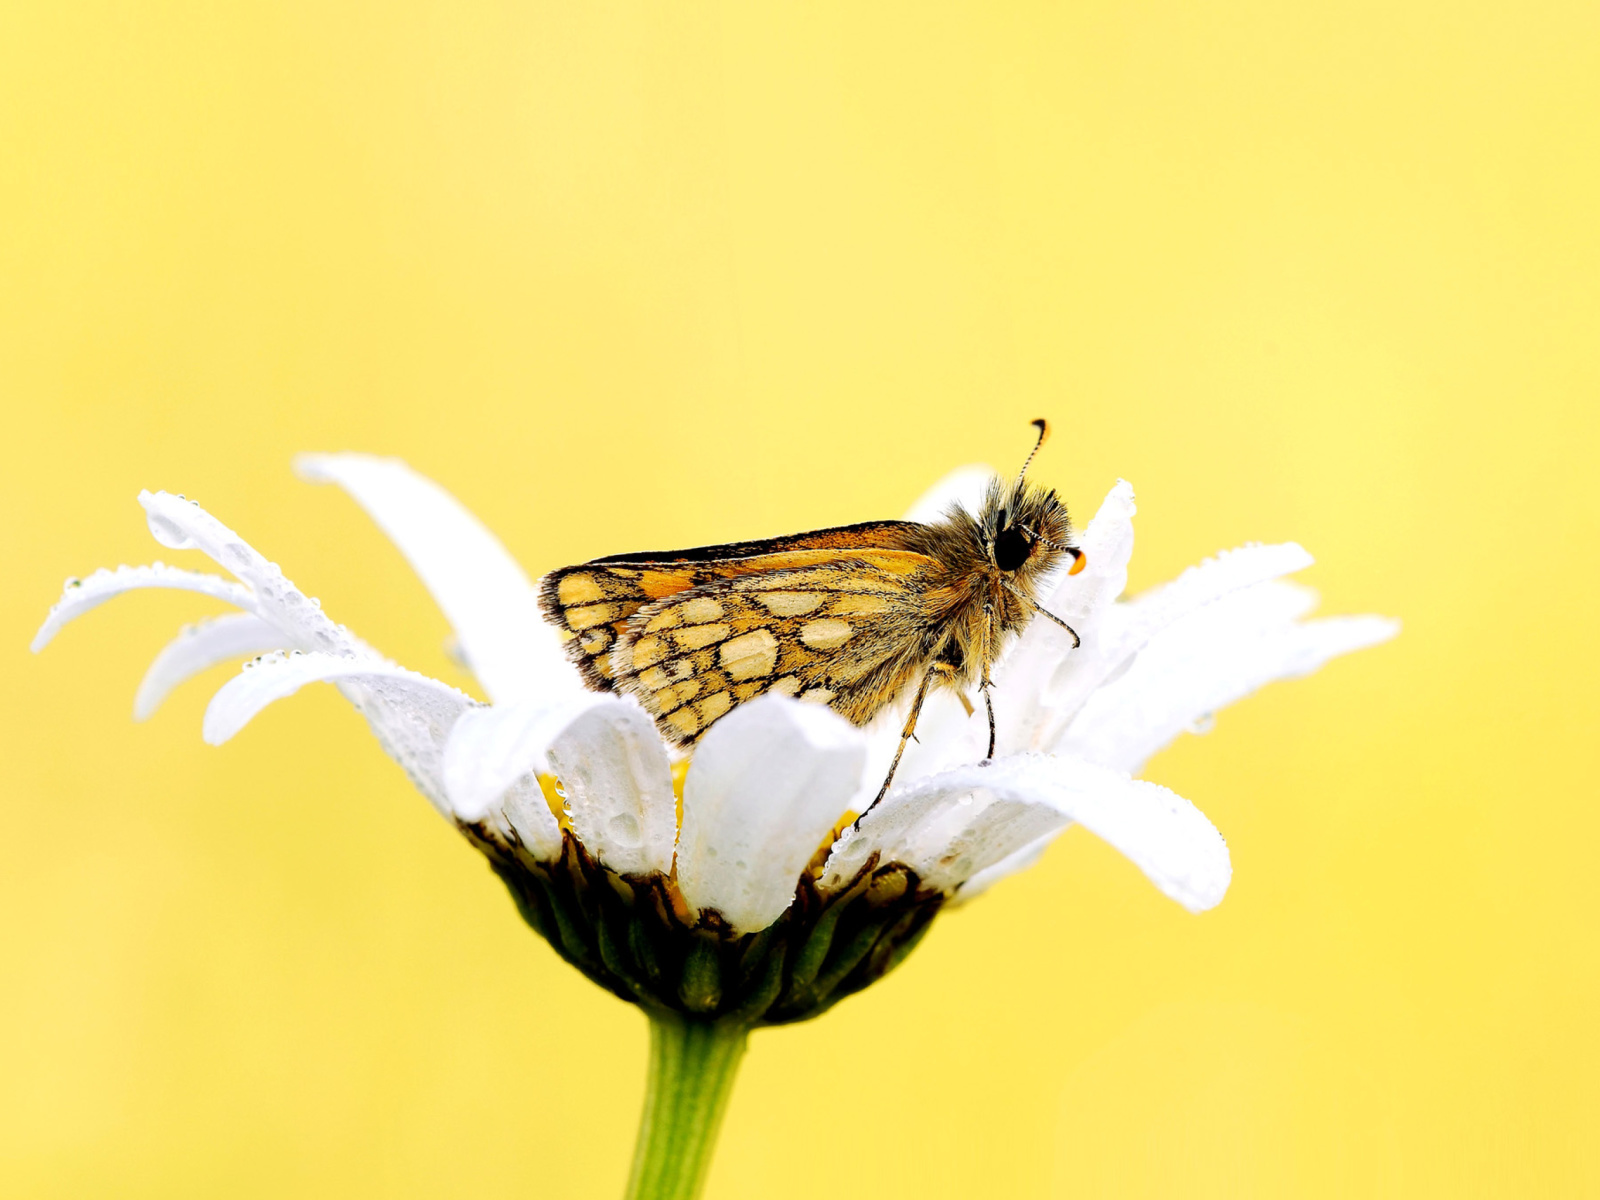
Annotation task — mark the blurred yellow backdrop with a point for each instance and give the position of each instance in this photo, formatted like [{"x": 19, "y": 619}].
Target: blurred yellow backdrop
[{"x": 627, "y": 275}]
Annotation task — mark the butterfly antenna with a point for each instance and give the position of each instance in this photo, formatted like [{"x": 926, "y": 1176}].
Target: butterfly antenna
[{"x": 1043, "y": 427}]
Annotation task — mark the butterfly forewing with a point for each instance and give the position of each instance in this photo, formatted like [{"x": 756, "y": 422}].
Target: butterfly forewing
[
  {"x": 832, "y": 632},
  {"x": 593, "y": 602}
]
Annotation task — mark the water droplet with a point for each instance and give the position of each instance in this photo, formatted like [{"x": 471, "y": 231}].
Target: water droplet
[
  {"x": 1203, "y": 724},
  {"x": 625, "y": 829},
  {"x": 168, "y": 532}
]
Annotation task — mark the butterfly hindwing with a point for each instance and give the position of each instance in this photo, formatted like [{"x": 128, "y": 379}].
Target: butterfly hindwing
[{"x": 834, "y": 631}]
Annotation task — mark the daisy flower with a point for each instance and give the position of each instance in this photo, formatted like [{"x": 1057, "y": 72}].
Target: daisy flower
[{"x": 739, "y": 888}]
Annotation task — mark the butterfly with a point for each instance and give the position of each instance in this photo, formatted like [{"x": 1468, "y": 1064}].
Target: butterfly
[{"x": 850, "y": 617}]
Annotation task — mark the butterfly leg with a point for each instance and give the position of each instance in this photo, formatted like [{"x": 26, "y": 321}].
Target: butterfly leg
[
  {"x": 989, "y": 705},
  {"x": 984, "y": 685},
  {"x": 908, "y": 732}
]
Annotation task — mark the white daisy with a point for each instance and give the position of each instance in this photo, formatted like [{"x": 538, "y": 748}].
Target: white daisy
[
  {"x": 763, "y": 904},
  {"x": 664, "y": 913}
]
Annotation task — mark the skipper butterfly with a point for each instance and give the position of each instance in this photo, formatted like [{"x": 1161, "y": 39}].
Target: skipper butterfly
[{"x": 850, "y": 617}]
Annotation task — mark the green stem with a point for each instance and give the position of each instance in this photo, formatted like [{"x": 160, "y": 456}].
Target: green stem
[{"x": 692, "y": 1065}]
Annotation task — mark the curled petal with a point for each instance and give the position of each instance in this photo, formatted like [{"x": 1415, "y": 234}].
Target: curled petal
[
  {"x": 1206, "y": 661},
  {"x": 1164, "y": 835},
  {"x": 410, "y": 713},
  {"x": 183, "y": 525},
  {"x": 1108, "y": 544},
  {"x": 80, "y": 595},
  {"x": 947, "y": 827},
  {"x": 1226, "y": 573},
  {"x": 525, "y": 810},
  {"x": 618, "y": 786},
  {"x": 1012, "y": 864},
  {"x": 199, "y": 647},
  {"x": 962, "y": 488},
  {"x": 767, "y": 783},
  {"x": 490, "y": 749},
  {"x": 1084, "y": 601},
  {"x": 1123, "y": 629},
  {"x": 482, "y": 590}
]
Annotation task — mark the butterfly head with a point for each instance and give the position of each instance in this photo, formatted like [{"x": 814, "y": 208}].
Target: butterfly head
[{"x": 1026, "y": 526}]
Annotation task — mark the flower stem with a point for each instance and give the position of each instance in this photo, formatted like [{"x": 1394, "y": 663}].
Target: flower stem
[{"x": 692, "y": 1065}]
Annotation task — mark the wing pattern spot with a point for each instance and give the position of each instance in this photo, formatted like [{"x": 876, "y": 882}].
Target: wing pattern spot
[
  {"x": 826, "y": 634},
  {"x": 749, "y": 655},
  {"x": 791, "y": 604}
]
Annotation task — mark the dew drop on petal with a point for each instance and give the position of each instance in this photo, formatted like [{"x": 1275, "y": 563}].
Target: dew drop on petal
[
  {"x": 625, "y": 829},
  {"x": 168, "y": 532}
]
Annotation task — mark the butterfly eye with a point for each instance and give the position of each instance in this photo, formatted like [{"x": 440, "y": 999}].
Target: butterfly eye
[{"x": 1012, "y": 548}]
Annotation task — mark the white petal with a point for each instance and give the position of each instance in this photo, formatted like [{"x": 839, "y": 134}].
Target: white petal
[
  {"x": 1164, "y": 835},
  {"x": 1228, "y": 572},
  {"x": 483, "y": 592},
  {"x": 183, "y": 525},
  {"x": 1206, "y": 661},
  {"x": 947, "y": 828},
  {"x": 766, "y": 784},
  {"x": 490, "y": 749},
  {"x": 1122, "y": 630},
  {"x": 1011, "y": 864},
  {"x": 618, "y": 784},
  {"x": 526, "y": 812},
  {"x": 1030, "y": 668},
  {"x": 963, "y": 488},
  {"x": 198, "y": 648},
  {"x": 80, "y": 595},
  {"x": 410, "y": 713}
]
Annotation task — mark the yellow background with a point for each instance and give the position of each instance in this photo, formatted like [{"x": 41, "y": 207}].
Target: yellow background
[{"x": 624, "y": 276}]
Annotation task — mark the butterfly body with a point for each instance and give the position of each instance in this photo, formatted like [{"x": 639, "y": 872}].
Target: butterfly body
[{"x": 851, "y": 617}]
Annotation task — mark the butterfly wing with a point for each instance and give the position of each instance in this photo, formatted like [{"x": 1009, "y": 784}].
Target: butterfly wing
[
  {"x": 844, "y": 629},
  {"x": 593, "y": 601}
]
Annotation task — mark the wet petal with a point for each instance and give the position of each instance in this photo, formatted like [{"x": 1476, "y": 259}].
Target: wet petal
[
  {"x": 946, "y": 828},
  {"x": 525, "y": 810},
  {"x": 410, "y": 714},
  {"x": 1123, "y": 630},
  {"x": 618, "y": 784},
  {"x": 80, "y": 595},
  {"x": 1011, "y": 864},
  {"x": 1044, "y": 656},
  {"x": 1164, "y": 835},
  {"x": 767, "y": 783},
  {"x": 200, "y": 647},
  {"x": 1207, "y": 660},
  {"x": 482, "y": 590},
  {"x": 490, "y": 749},
  {"x": 183, "y": 525}
]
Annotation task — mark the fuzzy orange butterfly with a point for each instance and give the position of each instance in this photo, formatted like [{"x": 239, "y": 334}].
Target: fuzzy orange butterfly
[{"x": 850, "y": 617}]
